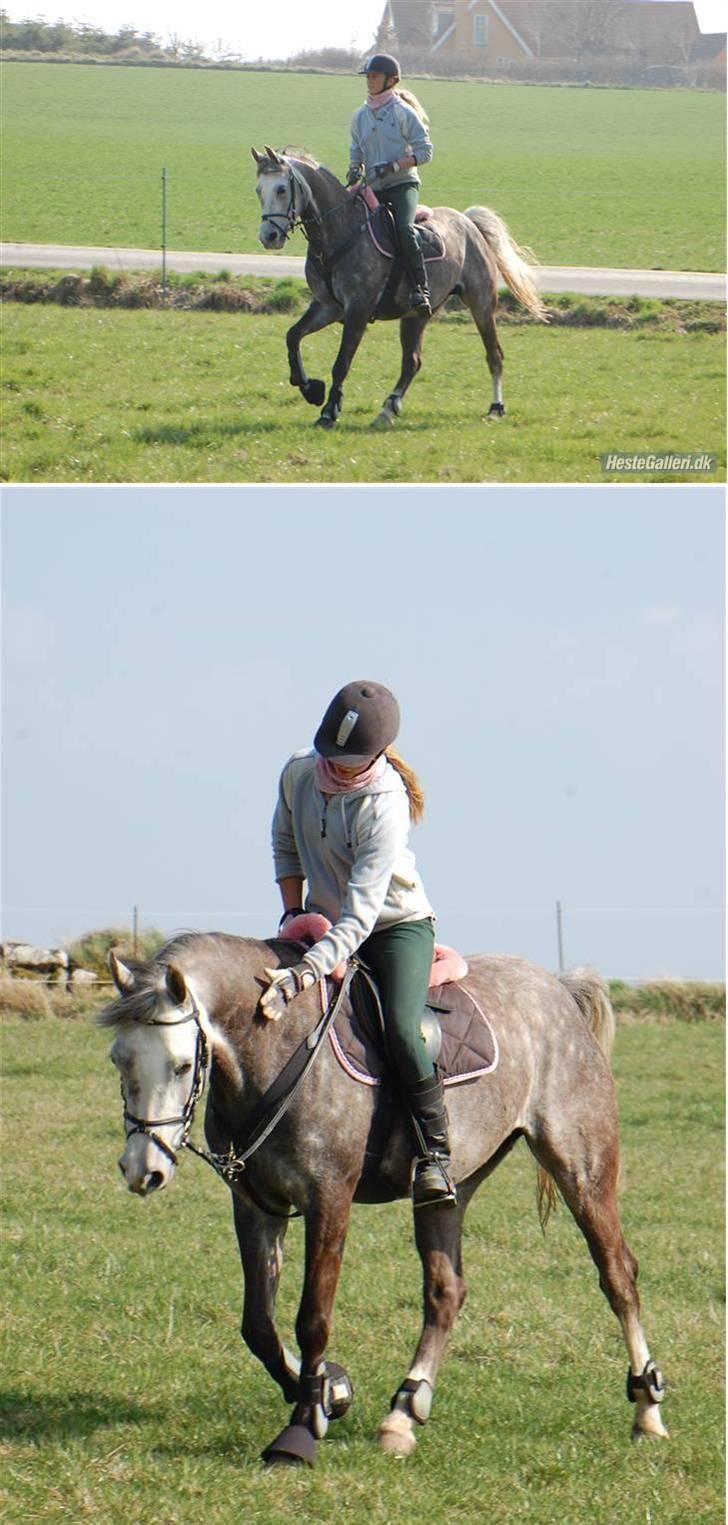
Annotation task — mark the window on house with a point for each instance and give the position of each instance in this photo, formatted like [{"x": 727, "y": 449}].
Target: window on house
[{"x": 480, "y": 31}]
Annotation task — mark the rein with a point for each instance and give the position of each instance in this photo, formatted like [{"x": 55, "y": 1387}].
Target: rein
[
  {"x": 293, "y": 218},
  {"x": 271, "y": 1107}
]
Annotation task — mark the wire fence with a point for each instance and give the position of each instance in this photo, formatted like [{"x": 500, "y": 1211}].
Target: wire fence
[{"x": 562, "y": 934}]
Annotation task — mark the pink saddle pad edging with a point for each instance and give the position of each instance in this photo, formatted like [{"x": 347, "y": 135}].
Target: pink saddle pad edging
[{"x": 448, "y": 1080}]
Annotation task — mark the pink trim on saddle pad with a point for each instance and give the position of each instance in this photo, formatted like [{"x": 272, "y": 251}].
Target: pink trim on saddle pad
[
  {"x": 423, "y": 213},
  {"x": 430, "y": 259},
  {"x": 310, "y": 926}
]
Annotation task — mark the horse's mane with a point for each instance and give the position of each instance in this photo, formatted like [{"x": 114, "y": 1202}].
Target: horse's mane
[
  {"x": 149, "y": 995},
  {"x": 301, "y": 156}
]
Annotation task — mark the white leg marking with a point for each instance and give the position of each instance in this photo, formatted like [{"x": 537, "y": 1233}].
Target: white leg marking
[{"x": 647, "y": 1419}]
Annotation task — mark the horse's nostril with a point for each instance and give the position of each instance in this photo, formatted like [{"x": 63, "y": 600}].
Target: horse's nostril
[{"x": 155, "y": 1180}]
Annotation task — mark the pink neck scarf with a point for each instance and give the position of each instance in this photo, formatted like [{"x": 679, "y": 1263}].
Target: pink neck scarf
[
  {"x": 374, "y": 102},
  {"x": 329, "y": 783}
]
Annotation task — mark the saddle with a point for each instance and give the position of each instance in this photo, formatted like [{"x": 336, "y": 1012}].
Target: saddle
[
  {"x": 383, "y": 234},
  {"x": 468, "y": 1047}
]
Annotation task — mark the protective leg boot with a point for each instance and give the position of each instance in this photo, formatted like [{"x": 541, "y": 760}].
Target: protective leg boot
[
  {"x": 419, "y": 297},
  {"x": 431, "y": 1179}
]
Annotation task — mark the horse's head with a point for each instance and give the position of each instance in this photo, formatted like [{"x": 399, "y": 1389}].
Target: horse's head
[
  {"x": 283, "y": 196},
  {"x": 161, "y": 1050}
]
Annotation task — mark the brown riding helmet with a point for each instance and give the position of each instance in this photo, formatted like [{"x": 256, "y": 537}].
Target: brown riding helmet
[{"x": 361, "y": 720}]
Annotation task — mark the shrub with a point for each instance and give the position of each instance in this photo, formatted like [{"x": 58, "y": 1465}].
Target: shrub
[{"x": 92, "y": 950}]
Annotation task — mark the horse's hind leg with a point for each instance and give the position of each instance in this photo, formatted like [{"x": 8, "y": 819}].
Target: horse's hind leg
[
  {"x": 411, "y": 331},
  {"x": 438, "y": 1234},
  {"x": 481, "y": 304},
  {"x": 589, "y": 1187}
]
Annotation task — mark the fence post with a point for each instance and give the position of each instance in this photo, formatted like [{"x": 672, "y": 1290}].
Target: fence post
[
  {"x": 560, "y": 936},
  {"x": 164, "y": 236}
]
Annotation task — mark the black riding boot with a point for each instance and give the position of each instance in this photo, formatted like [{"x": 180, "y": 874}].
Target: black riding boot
[
  {"x": 431, "y": 1180},
  {"x": 419, "y": 297}
]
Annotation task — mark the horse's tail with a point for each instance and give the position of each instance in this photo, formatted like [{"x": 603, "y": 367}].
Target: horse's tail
[
  {"x": 514, "y": 264},
  {"x": 591, "y": 994}
]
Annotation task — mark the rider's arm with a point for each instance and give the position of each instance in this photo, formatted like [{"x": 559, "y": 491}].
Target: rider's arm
[
  {"x": 378, "y": 848},
  {"x": 286, "y": 858}
]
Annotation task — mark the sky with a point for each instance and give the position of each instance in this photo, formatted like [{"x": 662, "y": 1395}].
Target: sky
[
  {"x": 258, "y": 31},
  {"x": 556, "y": 652}
]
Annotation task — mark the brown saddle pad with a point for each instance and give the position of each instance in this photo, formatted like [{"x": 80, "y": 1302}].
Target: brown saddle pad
[{"x": 469, "y": 1045}]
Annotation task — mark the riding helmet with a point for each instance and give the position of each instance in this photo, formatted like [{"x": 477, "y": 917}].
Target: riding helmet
[
  {"x": 381, "y": 63},
  {"x": 361, "y": 720}
]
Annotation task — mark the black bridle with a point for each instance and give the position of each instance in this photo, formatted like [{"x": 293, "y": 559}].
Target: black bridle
[
  {"x": 147, "y": 1125},
  {"x": 291, "y": 216},
  {"x": 268, "y": 1113}
]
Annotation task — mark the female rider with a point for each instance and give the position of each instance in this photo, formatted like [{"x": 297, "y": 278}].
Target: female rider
[
  {"x": 342, "y": 822},
  {"x": 389, "y": 139}
]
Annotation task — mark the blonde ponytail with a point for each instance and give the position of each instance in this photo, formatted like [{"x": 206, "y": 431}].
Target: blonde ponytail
[
  {"x": 415, "y": 792},
  {"x": 411, "y": 100}
]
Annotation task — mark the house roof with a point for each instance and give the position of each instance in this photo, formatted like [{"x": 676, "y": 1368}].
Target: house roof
[
  {"x": 506, "y": 14},
  {"x": 710, "y": 45}
]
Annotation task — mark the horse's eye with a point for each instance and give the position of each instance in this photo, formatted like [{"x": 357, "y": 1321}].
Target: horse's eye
[
  {"x": 183, "y": 1069},
  {"x": 281, "y": 190}
]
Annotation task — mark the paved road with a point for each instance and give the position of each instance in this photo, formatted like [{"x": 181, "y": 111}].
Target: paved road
[{"x": 689, "y": 284}]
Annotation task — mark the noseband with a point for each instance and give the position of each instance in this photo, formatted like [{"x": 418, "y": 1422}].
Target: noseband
[{"x": 147, "y": 1125}]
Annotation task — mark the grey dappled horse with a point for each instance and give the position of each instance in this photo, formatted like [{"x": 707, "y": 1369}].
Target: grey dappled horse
[
  {"x": 189, "y": 1020},
  {"x": 349, "y": 276}
]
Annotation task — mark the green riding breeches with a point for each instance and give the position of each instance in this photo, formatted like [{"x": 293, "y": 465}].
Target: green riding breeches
[
  {"x": 403, "y": 200},
  {"x": 400, "y": 958}
]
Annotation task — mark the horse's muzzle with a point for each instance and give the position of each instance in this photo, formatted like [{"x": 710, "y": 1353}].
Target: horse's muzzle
[
  {"x": 271, "y": 238},
  {"x": 144, "y": 1170}
]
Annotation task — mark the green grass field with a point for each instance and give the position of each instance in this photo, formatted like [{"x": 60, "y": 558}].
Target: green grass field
[
  {"x": 118, "y": 396},
  {"x": 127, "y": 1395},
  {"x": 615, "y": 177}
]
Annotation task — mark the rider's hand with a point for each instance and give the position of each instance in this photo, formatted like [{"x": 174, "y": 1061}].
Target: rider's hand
[
  {"x": 354, "y": 175},
  {"x": 285, "y": 985},
  {"x": 385, "y": 169}
]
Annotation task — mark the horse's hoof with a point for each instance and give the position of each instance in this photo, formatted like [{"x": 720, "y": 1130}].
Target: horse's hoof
[
  {"x": 295, "y": 1446},
  {"x": 651, "y": 1428},
  {"x": 396, "y": 1434},
  {"x": 497, "y": 410},
  {"x": 314, "y": 392},
  {"x": 383, "y": 420},
  {"x": 324, "y": 422}
]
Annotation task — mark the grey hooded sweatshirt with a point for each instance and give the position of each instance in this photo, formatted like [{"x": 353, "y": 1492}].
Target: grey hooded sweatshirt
[
  {"x": 387, "y": 135},
  {"x": 352, "y": 850}
]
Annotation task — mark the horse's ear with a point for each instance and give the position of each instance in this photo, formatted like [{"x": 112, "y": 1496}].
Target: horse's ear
[
  {"x": 258, "y": 157},
  {"x": 121, "y": 974},
  {"x": 273, "y": 155},
  {"x": 176, "y": 985}
]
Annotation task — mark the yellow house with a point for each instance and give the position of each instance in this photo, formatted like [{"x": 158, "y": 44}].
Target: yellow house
[{"x": 480, "y": 27}]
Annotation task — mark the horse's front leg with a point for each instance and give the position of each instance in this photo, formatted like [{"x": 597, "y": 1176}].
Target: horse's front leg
[
  {"x": 260, "y": 1239},
  {"x": 319, "y": 315},
  {"x": 438, "y": 1234},
  {"x": 355, "y": 322},
  {"x": 324, "y": 1388},
  {"x": 411, "y": 331}
]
